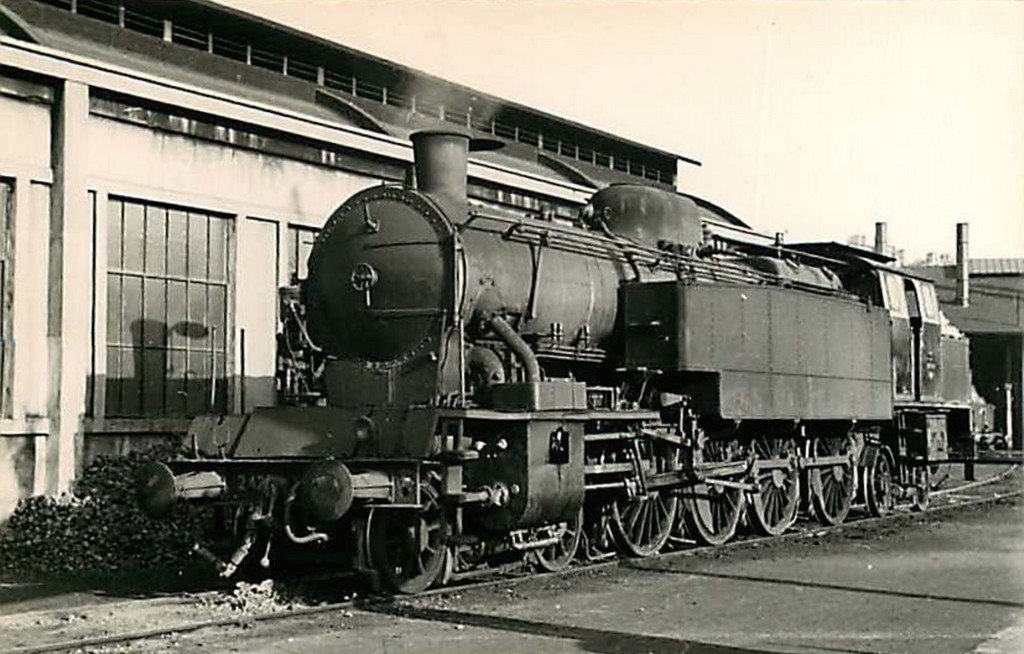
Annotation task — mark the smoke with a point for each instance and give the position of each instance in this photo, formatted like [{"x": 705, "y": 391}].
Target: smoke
[{"x": 9, "y": 490}]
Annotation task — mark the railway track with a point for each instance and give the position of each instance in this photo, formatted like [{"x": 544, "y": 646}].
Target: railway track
[{"x": 961, "y": 496}]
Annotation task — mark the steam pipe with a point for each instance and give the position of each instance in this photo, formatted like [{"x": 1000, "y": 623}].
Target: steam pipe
[
  {"x": 312, "y": 537},
  {"x": 518, "y": 346}
]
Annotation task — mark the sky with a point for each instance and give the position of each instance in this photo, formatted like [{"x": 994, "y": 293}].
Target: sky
[{"x": 811, "y": 118}]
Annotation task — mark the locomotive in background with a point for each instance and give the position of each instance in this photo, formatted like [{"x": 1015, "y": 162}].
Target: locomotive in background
[{"x": 499, "y": 385}]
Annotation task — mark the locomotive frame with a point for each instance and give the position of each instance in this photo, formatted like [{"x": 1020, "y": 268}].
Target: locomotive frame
[{"x": 502, "y": 386}]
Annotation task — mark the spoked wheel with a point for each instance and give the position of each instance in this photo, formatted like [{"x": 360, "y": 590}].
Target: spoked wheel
[
  {"x": 558, "y": 556},
  {"x": 643, "y": 523},
  {"x": 832, "y": 487},
  {"x": 920, "y": 491},
  {"x": 772, "y": 507},
  {"x": 408, "y": 547},
  {"x": 878, "y": 484},
  {"x": 712, "y": 511}
]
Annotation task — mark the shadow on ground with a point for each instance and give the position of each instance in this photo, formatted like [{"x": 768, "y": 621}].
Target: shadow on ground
[
  {"x": 653, "y": 567},
  {"x": 26, "y": 593},
  {"x": 598, "y": 641}
]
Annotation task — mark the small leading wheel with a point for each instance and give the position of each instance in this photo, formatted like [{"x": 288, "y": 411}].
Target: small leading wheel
[
  {"x": 407, "y": 545},
  {"x": 832, "y": 487},
  {"x": 711, "y": 511},
  {"x": 772, "y": 506},
  {"x": 920, "y": 491},
  {"x": 878, "y": 485},
  {"x": 554, "y": 558}
]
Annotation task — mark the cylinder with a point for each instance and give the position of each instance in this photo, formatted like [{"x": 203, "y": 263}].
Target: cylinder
[
  {"x": 441, "y": 162},
  {"x": 962, "y": 270}
]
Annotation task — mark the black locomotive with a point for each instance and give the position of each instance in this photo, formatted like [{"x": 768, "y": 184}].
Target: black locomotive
[{"x": 502, "y": 386}]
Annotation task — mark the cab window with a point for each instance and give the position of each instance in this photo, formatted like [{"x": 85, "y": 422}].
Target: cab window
[
  {"x": 892, "y": 288},
  {"x": 929, "y": 303}
]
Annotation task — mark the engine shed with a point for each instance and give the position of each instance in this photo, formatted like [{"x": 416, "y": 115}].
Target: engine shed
[
  {"x": 164, "y": 169},
  {"x": 990, "y": 310}
]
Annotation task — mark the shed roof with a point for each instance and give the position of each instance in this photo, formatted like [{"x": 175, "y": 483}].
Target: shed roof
[
  {"x": 984, "y": 267},
  {"x": 996, "y": 266},
  {"x": 207, "y": 39}
]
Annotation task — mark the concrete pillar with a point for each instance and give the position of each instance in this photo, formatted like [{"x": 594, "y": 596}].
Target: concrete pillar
[
  {"x": 30, "y": 393},
  {"x": 256, "y": 313},
  {"x": 70, "y": 283}
]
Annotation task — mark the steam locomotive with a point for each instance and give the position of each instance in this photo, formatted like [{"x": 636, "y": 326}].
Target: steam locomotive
[{"x": 502, "y": 386}]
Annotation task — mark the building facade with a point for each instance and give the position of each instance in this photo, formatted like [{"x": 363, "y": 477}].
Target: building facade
[
  {"x": 164, "y": 168},
  {"x": 993, "y": 317}
]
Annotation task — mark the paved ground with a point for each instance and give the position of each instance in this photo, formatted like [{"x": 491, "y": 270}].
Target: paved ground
[{"x": 951, "y": 584}]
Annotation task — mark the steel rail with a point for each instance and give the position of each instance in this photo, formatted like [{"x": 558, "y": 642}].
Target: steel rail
[{"x": 808, "y": 531}]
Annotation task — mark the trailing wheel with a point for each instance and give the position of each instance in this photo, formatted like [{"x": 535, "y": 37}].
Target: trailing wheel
[
  {"x": 642, "y": 523},
  {"x": 878, "y": 484},
  {"x": 832, "y": 487},
  {"x": 408, "y": 547},
  {"x": 711, "y": 511},
  {"x": 772, "y": 506},
  {"x": 554, "y": 558}
]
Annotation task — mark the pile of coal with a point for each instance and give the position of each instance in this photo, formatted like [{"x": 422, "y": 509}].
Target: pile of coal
[{"x": 99, "y": 527}]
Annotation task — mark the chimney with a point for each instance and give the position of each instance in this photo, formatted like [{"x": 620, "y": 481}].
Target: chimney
[
  {"x": 962, "y": 272},
  {"x": 441, "y": 162},
  {"x": 880, "y": 237}
]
